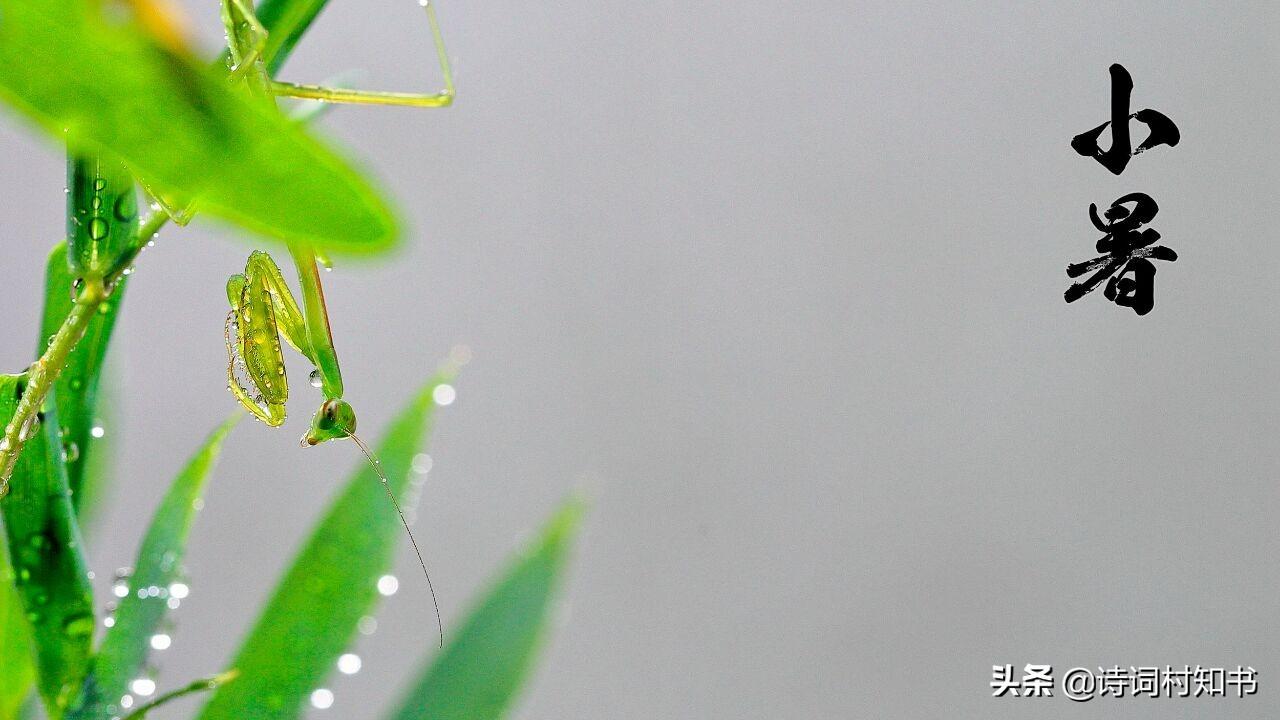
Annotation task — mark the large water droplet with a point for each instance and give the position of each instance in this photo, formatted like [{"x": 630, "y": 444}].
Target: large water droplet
[
  {"x": 314, "y": 379},
  {"x": 98, "y": 228},
  {"x": 28, "y": 430},
  {"x": 126, "y": 208}
]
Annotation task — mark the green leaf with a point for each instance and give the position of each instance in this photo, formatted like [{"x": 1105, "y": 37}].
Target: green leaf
[
  {"x": 102, "y": 216},
  {"x": 478, "y": 675},
  {"x": 76, "y": 389},
  {"x": 19, "y": 672},
  {"x": 178, "y": 125},
  {"x": 45, "y": 549},
  {"x": 312, "y": 616},
  {"x": 125, "y": 647}
]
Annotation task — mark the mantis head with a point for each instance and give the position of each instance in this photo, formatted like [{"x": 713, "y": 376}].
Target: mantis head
[{"x": 334, "y": 420}]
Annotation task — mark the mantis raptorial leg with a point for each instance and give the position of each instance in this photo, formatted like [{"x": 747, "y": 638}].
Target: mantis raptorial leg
[{"x": 263, "y": 309}]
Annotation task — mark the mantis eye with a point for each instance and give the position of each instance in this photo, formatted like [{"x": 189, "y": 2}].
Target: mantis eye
[{"x": 334, "y": 420}]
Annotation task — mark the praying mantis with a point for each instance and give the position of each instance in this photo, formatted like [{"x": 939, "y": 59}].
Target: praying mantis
[{"x": 263, "y": 308}]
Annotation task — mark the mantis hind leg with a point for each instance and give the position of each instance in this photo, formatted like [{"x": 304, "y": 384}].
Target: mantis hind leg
[{"x": 444, "y": 98}]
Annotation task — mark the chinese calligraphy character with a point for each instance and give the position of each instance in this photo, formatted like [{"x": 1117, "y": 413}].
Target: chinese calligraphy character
[
  {"x": 1116, "y": 158},
  {"x": 1244, "y": 680},
  {"x": 1209, "y": 681},
  {"x": 1129, "y": 273},
  {"x": 1146, "y": 681},
  {"x": 1003, "y": 681},
  {"x": 1037, "y": 680},
  {"x": 1176, "y": 683},
  {"x": 1115, "y": 680}
]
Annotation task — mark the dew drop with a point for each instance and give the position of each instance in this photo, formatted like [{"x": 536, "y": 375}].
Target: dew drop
[
  {"x": 126, "y": 207},
  {"x": 322, "y": 699},
  {"x": 28, "y": 430},
  {"x": 78, "y": 626},
  {"x": 349, "y": 664},
  {"x": 143, "y": 687},
  {"x": 388, "y": 585},
  {"x": 315, "y": 379},
  {"x": 179, "y": 591},
  {"x": 444, "y": 394},
  {"x": 97, "y": 431},
  {"x": 98, "y": 229},
  {"x": 161, "y": 641},
  {"x": 70, "y": 452},
  {"x": 422, "y": 463}
]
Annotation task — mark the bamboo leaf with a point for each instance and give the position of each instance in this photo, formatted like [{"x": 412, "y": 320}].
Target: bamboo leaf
[
  {"x": 125, "y": 647},
  {"x": 313, "y": 613},
  {"x": 19, "y": 671},
  {"x": 45, "y": 549},
  {"x": 178, "y": 125},
  {"x": 484, "y": 666},
  {"x": 76, "y": 389}
]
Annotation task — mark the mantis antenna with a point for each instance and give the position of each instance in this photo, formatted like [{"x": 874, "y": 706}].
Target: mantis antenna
[{"x": 377, "y": 468}]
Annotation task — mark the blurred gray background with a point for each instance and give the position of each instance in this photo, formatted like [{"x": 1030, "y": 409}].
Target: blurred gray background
[{"x": 780, "y": 285}]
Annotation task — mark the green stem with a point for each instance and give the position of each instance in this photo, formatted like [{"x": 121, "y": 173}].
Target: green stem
[
  {"x": 210, "y": 683},
  {"x": 44, "y": 372}
]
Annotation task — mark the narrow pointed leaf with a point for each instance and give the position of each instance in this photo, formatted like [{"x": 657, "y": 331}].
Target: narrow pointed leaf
[
  {"x": 46, "y": 551},
  {"x": 19, "y": 671},
  {"x": 312, "y": 616},
  {"x": 179, "y": 126},
  {"x": 479, "y": 674},
  {"x": 77, "y": 387},
  {"x": 125, "y": 647}
]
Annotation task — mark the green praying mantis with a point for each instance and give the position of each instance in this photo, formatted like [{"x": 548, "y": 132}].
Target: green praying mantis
[{"x": 263, "y": 308}]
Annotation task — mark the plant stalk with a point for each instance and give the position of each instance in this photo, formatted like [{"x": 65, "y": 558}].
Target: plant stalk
[{"x": 44, "y": 372}]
